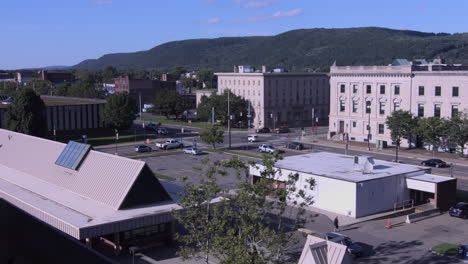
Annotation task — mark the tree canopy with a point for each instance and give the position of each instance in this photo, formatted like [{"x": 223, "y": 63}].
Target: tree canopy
[
  {"x": 26, "y": 114},
  {"x": 212, "y": 135},
  {"x": 401, "y": 124},
  {"x": 431, "y": 130},
  {"x": 237, "y": 104},
  {"x": 168, "y": 102},
  {"x": 119, "y": 111}
]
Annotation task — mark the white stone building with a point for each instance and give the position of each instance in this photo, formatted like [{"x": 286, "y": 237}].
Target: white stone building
[
  {"x": 278, "y": 97},
  {"x": 368, "y": 94}
]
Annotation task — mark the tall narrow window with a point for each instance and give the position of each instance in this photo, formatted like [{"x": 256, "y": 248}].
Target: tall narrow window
[
  {"x": 368, "y": 89},
  {"x": 381, "y": 128},
  {"x": 437, "y": 110},
  {"x": 354, "y": 88},
  {"x": 438, "y": 91},
  {"x": 382, "y": 108},
  {"x": 382, "y": 89},
  {"x": 454, "y": 110},
  {"x": 342, "y": 88},
  {"x": 397, "y": 89},
  {"x": 396, "y": 106},
  {"x": 421, "y": 90},
  {"x": 420, "y": 110},
  {"x": 454, "y": 91},
  {"x": 368, "y": 107},
  {"x": 342, "y": 105},
  {"x": 355, "y": 106}
]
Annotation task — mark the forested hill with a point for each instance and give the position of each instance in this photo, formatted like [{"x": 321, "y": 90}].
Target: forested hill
[{"x": 303, "y": 49}]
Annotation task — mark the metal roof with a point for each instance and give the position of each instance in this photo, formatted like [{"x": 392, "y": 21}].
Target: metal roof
[
  {"x": 82, "y": 203},
  {"x": 320, "y": 251}
]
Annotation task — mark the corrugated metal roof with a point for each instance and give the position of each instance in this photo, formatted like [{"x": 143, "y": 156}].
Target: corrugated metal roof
[
  {"x": 101, "y": 177},
  {"x": 320, "y": 251}
]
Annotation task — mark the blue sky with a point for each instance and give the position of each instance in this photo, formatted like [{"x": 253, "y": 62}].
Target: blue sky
[{"x": 65, "y": 32}]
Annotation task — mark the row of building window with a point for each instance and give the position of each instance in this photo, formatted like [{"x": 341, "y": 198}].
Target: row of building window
[
  {"x": 396, "y": 90},
  {"x": 438, "y": 91},
  {"x": 304, "y": 93},
  {"x": 381, "y": 127},
  {"x": 239, "y": 82},
  {"x": 437, "y": 107},
  {"x": 304, "y": 83}
]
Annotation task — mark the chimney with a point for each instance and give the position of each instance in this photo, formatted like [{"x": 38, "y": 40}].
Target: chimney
[
  {"x": 264, "y": 69},
  {"x": 236, "y": 69}
]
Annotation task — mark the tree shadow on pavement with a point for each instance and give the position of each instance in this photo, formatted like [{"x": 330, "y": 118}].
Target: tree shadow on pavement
[{"x": 391, "y": 252}]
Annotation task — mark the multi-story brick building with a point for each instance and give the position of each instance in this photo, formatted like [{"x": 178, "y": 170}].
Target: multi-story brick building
[
  {"x": 366, "y": 95},
  {"x": 147, "y": 89},
  {"x": 279, "y": 98}
]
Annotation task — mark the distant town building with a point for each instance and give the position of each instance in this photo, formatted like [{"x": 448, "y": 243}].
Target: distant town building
[
  {"x": 56, "y": 78},
  {"x": 278, "y": 97},
  {"x": 147, "y": 89},
  {"x": 99, "y": 199},
  {"x": 360, "y": 94},
  {"x": 23, "y": 77},
  {"x": 7, "y": 77},
  {"x": 360, "y": 186},
  {"x": 67, "y": 114}
]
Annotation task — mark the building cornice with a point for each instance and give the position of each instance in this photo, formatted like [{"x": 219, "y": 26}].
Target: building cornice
[{"x": 368, "y": 74}]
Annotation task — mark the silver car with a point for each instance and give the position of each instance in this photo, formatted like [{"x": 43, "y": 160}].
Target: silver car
[{"x": 192, "y": 151}]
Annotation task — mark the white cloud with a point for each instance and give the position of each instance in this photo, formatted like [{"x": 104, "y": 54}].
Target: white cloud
[
  {"x": 215, "y": 20},
  {"x": 276, "y": 15},
  {"x": 103, "y": 2},
  {"x": 259, "y": 4}
]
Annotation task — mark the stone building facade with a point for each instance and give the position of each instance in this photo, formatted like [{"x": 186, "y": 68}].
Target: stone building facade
[
  {"x": 280, "y": 98},
  {"x": 366, "y": 95}
]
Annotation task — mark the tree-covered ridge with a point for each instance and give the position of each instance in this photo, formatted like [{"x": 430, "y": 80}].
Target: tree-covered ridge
[{"x": 302, "y": 49}]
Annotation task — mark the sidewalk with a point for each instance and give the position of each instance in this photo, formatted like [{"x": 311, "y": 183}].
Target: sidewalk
[{"x": 411, "y": 153}]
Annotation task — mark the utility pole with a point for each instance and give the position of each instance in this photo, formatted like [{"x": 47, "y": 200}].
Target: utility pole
[
  {"x": 229, "y": 118},
  {"x": 368, "y": 132},
  {"x": 346, "y": 138},
  {"x": 140, "y": 103},
  {"x": 248, "y": 117},
  {"x": 212, "y": 115}
]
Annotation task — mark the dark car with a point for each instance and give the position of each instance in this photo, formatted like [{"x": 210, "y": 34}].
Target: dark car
[
  {"x": 434, "y": 163},
  {"x": 295, "y": 145},
  {"x": 143, "y": 148},
  {"x": 353, "y": 248},
  {"x": 263, "y": 130},
  {"x": 281, "y": 130},
  {"x": 459, "y": 210}
]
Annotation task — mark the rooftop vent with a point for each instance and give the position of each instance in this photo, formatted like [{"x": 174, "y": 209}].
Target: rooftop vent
[{"x": 364, "y": 164}]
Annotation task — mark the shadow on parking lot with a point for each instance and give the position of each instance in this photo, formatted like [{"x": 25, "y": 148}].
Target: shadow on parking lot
[{"x": 391, "y": 252}]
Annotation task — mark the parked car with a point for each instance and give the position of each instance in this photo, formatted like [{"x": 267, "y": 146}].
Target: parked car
[
  {"x": 252, "y": 138},
  {"x": 295, "y": 145},
  {"x": 266, "y": 148},
  {"x": 162, "y": 131},
  {"x": 170, "y": 144},
  {"x": 262, "y": 130},
  {"x": 353, "y": 248},
  {"x": 434, "y": 163},
  {"x": 463, "y": 252},
  {"x": 283, "y": 129},
  {"x": 152, "y": 126},
  {"x": 143, "y": 148},
  {"x": 192, "y": 151},
  {"x": 459, "y": 210}
]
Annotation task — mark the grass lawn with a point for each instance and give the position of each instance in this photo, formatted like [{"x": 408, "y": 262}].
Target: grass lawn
[
  {"x": 155, "y": 154},
  {"x": 163, "y": 177},
  {"x": 446, "y": 249},
  {"x": 195, "y": 124}
]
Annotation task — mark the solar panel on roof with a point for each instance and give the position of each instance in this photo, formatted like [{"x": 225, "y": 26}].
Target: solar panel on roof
[{"x": 73, "y": 154}]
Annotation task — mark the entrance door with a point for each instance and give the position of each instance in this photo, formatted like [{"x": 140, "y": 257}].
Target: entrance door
[{"x": 341, "y": 128}]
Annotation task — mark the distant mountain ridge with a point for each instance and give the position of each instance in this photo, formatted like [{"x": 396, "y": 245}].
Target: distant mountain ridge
[{"x": 302, "y": 50}]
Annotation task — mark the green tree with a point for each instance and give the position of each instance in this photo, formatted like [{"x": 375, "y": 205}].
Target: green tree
[
  {"x": 237, "y": 106},
  {"x": 119, "y": 111},
  {"x": 84, "y": 90},
  {"x": 188, "y": 83},
  {"x": 457, "y": 131},
  {"x": 250, "y": 224},
  {"x": 431, "y": 130},
  {"x": 176, "y": 72},
  {"x": 212, "y": 135},
  {"x": 62, "y": 90},
  {"x": 206, "y": 77},
  {"x": 401, "y": 124},
  {"x": 27, "y": 114},
  {"x": 109, "y": 74},
  {"x": 168, "y": 102},
  {"x": 40, "y": 86},
  {"x": 8, "y": 88}
]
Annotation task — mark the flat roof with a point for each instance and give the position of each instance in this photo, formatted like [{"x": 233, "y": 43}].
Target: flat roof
[
  {"x": 342, "y": 167},
  {"x": 432, "y": 178},
  {"x": 63, "y": 100},
  {"x": 271, "y": 74}
]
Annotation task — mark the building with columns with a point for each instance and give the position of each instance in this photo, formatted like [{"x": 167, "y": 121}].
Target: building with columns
[
  {"x": 366, "y": 95},
  {"x": 278, "y": 97}
]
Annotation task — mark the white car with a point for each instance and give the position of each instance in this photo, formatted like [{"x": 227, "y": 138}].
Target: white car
[
  {"x": 252, "y": 138},
  {"x": 162, "y": 131},
  {"x": 170, "y": 144},
  {"x": 192, "y": 151},
  {"x": 266, "y": 148}
]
